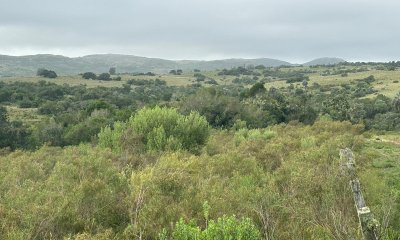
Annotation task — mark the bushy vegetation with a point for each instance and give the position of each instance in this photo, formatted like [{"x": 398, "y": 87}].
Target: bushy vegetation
[
  {"x": 223, "y": 228},
  {"x": 73, "y": 114},
  {"x": 89, "y": 75},
  {"x": 158, "y": 129},
  {"x": 46, "y": 73},
  {"x": 142, "y": 82},
  {"x": 237, "y": 71},
  {"x": 104, "y": 76},
  {"x": 283, "y": 182},
  {"x": 248, "y": 160},
  {"x": 12, "y": 133}
]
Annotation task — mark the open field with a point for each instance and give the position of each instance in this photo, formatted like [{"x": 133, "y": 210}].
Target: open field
[
  {"x": 386, "y": 81},
  {"x": 172, "y": 80},
  {"x": 71, "y": 80},
  {"x": 26, "y": 115}
]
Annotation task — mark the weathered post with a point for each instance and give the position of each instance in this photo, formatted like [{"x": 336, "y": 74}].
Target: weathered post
[{"x": 367, "y": 221}]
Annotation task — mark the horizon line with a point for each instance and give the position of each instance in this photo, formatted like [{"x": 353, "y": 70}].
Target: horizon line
[{"x": 204, "y": 59}]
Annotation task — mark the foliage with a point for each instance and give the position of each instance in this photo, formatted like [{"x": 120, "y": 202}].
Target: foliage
[
  {"x": 221, "y": 110},
  {"x": 257, "y": 88},
  {"x": 89, "y": 75},
  {"x": 142, "y": 82},
  {"x": 113, "y": 70},
  {"x": 300, "y": 78},
  {"x": 337, "y": 107},
  {"x": 199, "y": 77},
  {"x": 236, "y": 71},
  {"x": 62, "y": 192},
  {"x": 224, "y": 228},
  {"x": 12, "y": 133},
  {"x": 176, "y": 72},
  {"x": 161, "y": 129},
  {"x": 46, "y": 73},
  {"x": 282, "y": 182},
  {"x": 104, "y": 76},
  {"x": 269, "y": 166}
]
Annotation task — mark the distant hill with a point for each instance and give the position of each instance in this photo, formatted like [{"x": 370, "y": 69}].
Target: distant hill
[
  {"x": 324, "y": 61},
  {"x": 28, "y": 65}
]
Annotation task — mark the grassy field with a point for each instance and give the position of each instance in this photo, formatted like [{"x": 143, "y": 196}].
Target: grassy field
[
  {"x": 172, "y": 80},
  {"x": 71, "y": 80},
  {"x": 26, "y": 115},
  {"x": 386, "y": 81}
]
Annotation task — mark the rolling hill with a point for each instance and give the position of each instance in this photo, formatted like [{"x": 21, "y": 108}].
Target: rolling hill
[
  {"x": 324, "y": 61},
  {"x": 28, "y": 65}
]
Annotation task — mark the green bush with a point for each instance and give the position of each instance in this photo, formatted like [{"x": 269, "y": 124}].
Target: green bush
[
  {"x": 89, "y": 75},
  {"x": 159, "y": 129},
  {"x": 46, "y": 73},
  {"x": 224, "y": 228},
  {"x": 104, "y": 77}
]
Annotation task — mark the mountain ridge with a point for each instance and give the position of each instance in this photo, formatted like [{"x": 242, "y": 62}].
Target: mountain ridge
[
  {"x": 27, "y": 65},
  {"x": 324, "y": 61}
]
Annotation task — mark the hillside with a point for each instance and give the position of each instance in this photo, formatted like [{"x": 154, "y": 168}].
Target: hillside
[
  {"x": 28, "y": 65},
  {"x": 324, "y": 61},
  {"x": 255, "y": 148}
]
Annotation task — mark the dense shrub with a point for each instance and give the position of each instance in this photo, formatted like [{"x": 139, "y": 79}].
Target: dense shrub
[
  {"x": 104, "y": 76},
  {"x": 388, "y": 121},
  {"x": 199, "y": 77},
  {"x": 160, "y": 129},
  {"x": 46, "y": 73},
  {"x": 89, "y": 75},
  {"x": 298, "y": 78},
  {"x": 257, "y": 88},
  {"x": 61, "y": 193},
  {"x": 224, "y": 228}
]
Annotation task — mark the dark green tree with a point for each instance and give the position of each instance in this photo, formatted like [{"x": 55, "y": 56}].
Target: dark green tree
[
  {"x": 89, "y": 75},
  {"x": 396, "y": 103},
  {"x": 113, "y": 70},
  {"x": 46, "y": 73},
  {"x": 104, "y": 77},
  {"x": 256, "y": 89}
]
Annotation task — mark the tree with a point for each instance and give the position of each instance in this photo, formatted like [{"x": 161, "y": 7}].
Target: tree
[
  {"x": 104, "y": 76},
  {"x": 46, "y": 73},
  {"x": 12, "y": 134},
  {"x": 338, "y": 107},
  {"x": 89, "y": 75},
  {"x": 112, "y": 70},
  {"x": 305, "y": 84},
  {"x": 3, "y": 115},
  {"x": 257, "y": 88},
  {"x": 41, "y": 71},
  {"x": 50, "y": 133},
  {"x": 260, "y": 67},
  {"x": 396, "y": 103},
  {"x": 199, "y": 77}
]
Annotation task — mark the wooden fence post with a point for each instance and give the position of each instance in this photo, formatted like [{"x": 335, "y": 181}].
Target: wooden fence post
[{"x": 367, "y": 221}]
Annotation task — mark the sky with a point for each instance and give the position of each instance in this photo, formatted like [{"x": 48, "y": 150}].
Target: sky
[{"x": 290, "y": 30}]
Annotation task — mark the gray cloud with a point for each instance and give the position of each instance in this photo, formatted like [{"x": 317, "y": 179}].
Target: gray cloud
[{"x": 294, "y": 30}]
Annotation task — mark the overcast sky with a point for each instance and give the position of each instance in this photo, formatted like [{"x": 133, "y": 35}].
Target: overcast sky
[{"x": 292, "y": 30}]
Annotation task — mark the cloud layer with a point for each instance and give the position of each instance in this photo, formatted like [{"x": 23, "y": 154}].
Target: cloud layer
[{"x": 294, "y": 30}]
